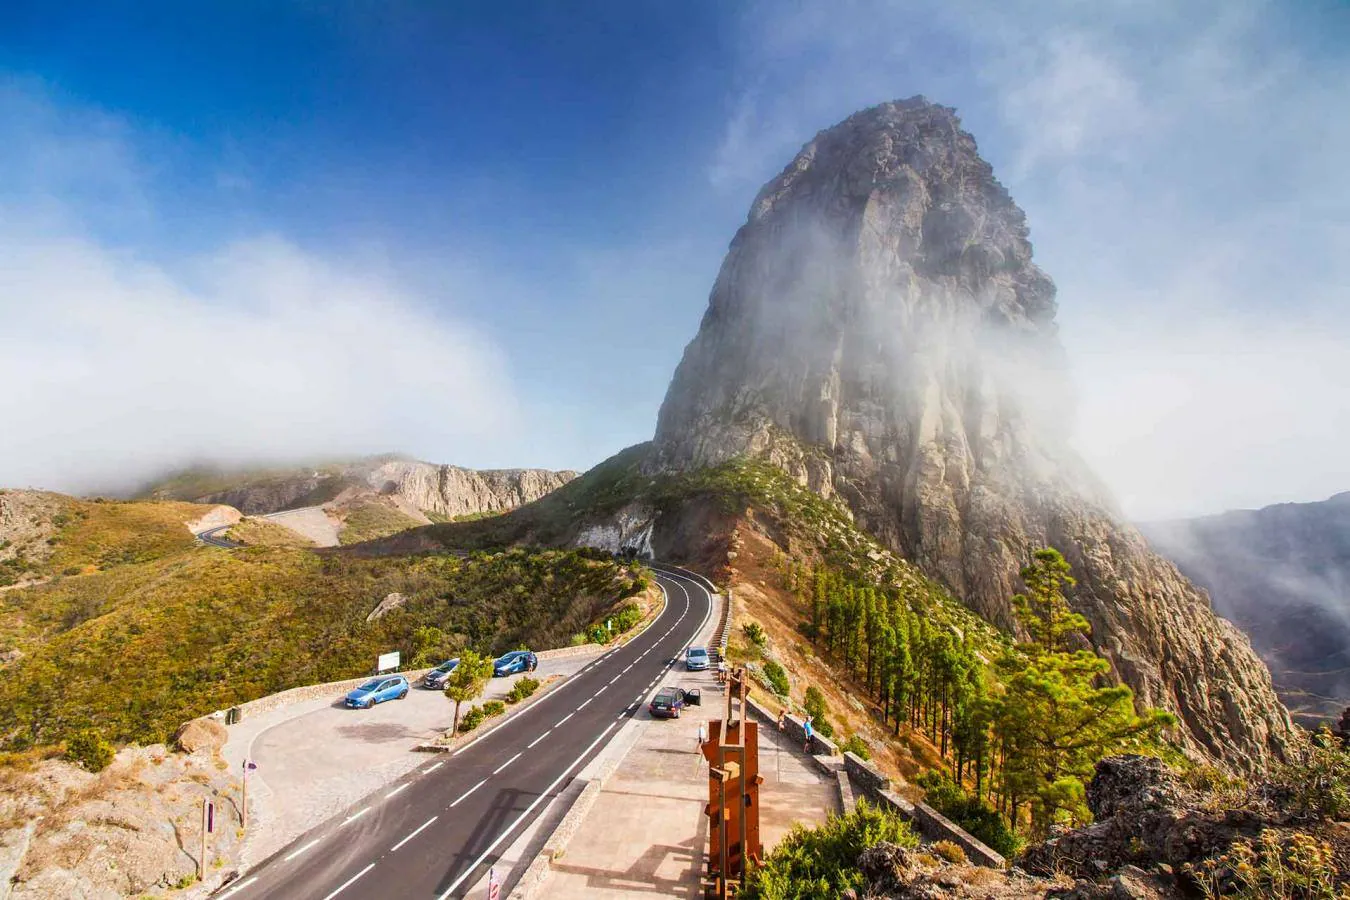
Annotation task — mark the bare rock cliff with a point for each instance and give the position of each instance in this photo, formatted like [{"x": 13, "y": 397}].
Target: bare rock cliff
[
  {"x": 879, "y": 329},
  {"x": 416, "y": 487}
]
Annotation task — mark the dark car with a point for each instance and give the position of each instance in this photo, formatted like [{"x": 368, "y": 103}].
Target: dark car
[
  {"x": 436, "y": 678},
  {"x": 378, "y": 690},
  {"x": 668, "y": 702},
  {"x": 513, "y": 662}
]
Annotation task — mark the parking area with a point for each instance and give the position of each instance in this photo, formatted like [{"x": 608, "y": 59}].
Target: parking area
[{"x": 317, "y": 757}]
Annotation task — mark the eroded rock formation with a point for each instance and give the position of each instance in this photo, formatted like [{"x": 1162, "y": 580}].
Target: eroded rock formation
[{"x": 879, "y": 329}]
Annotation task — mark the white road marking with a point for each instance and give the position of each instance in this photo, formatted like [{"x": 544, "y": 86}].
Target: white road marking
[
  {"x": 497, "y": 771},
  {"x": 601, "y": 691},
  {"x": 615, "y": 678},
  {"x": 563, "y": 719},
  {"x": 530, "y": 745},
  {"x": 348, "y": 883},
  {"x": 237, "y": 888},
  {"x": 354, "y": 816},
  {"x": 529, "y": 809},
  {"x": 414, "y": 834},
  {"x": 431, "y": 769},
  {"x": 310, "y": 845},
  {"x": 467, "y": 793},
  {"x": 397, "y": 789},
  {"x": 584, "y": 705}
]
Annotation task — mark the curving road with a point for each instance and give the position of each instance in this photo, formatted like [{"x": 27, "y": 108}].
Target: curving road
[{"x": 432, "y": 834}]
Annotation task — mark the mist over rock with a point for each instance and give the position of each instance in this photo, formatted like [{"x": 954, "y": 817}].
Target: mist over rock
[
  {"x": 879, "y": 329},
  {"x": 1282, "y": 573},
  {"x": 417, "y": 488}
]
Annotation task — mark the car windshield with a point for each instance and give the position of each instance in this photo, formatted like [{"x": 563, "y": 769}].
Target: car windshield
[
  {"x": 447, "y": 665},
  {"x": 665, "y": 696},
  {"x": 509, "y": 657},
  {"x": 697, "y": 652},
  {"x": 369, "y": 686}
]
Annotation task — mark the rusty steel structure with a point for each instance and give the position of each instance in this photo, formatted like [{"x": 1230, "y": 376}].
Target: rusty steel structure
[{"x": 732, "y": 752}]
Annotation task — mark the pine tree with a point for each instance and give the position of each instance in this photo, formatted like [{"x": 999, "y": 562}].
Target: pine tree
[{"x": 1054, "y": 720}]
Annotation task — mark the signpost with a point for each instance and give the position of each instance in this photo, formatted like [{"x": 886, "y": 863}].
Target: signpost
[
  {"x": 249, "y": 765},
  {"x": 387, "y": 662},
  {"x": 494, "y": 886},
  {"x": 208, "y": 823}
]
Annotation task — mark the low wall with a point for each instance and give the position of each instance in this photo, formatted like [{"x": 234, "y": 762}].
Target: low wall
[
  {"x": 846, "y": 799},
  {"x": 931, "y": 824},
  {"x": 310, "y": 691}
]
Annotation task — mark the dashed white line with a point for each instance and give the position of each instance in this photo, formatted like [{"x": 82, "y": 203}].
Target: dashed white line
[
  {"x": 309, "y": 846},
  {"x": 563, "y": 719},
  {"x": 497, "y": 771},
  {"x": 530, "y": 745},
  {"x": 348, "y": 883},
  {"x": 237, "y": 888},
  {"x": 353, "y": 817},
  {"x": 414, "y": 834},
  {"x": 467, "y": 793},
  {"x": 584, "y": 705},
  {"x": 431, "y": 769},
  {"x": 512, "y": 827},
  {"x": 397, "y": 789},
  {"x": 601, "y": 691},
  {"x": 615, "y": 678}
]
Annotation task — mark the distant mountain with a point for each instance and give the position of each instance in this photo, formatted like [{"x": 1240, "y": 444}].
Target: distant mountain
[
  {"x": 1281, "y": 573},
  {"x": 365, "y": 498}
]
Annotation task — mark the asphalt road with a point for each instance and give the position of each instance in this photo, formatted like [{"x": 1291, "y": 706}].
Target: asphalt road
[{"x": 432, "y": 834}]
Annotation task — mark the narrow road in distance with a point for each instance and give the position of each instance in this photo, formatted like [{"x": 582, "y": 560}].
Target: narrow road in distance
[{"x": 431, "y": 835}]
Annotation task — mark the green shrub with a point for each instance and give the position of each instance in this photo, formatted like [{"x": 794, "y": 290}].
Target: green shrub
[
  {"x": 857, "y": 746},
  {"x": 1316, "y": 783},
  {"x": 777, "y": 678},
  {"x": 523, "y": 688},
  {"x": 472, "y": 719},
  {"x": 971, "y": 813},
  {"x": 493, "y": 708},
  {"x": 88, "y": 749},
  {"x": 822, "y": 862},
  {"x": 754, "y": 632}
]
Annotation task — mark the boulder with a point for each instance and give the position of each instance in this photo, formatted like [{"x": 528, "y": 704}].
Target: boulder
[{"x": 201, "y": 736}]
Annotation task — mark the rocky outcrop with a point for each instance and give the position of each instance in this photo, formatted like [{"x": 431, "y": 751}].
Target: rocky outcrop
[
  {"x": 1282, "y": 573},
  {"x": 879, "y": 329},
  {"x": 437, "y": 490}
]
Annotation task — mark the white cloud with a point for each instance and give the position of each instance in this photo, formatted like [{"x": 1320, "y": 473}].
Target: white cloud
[{"x": 116, "y": 366}]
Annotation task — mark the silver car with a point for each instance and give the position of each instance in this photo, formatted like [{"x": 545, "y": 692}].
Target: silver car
[{"x": 696, "y": 659}]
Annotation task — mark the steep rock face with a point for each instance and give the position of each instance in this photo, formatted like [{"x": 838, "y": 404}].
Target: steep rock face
[
  {"x": 414, "y": 486},
  {"x": 878, "y": 328},
  {"x": 1283, "y": 574}
]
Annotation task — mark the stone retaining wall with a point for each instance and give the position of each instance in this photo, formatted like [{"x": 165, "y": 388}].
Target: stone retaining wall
[
  {"x": 931, "y": 824},
  {"x": 309, "y": 692}
]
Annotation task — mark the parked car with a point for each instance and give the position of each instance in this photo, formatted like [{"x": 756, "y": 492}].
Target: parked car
[
  {"x": 668, "y": 702},
  {"x": 696, "y": 659},
  {"x": 378, "y": 690},
  {"x": 436, "y": 678},
  {"x": 513, "y": 662}
]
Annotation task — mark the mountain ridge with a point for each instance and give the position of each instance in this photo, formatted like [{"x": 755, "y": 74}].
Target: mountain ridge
[{"x": 879, "y": 329}]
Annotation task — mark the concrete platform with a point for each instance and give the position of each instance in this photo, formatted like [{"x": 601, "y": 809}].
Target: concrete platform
[{"x": 645, "y": 836}]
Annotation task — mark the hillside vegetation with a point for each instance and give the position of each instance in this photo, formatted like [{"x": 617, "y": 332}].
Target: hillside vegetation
[
  {"x": 135, "y": 650},
  {"x": 47, "y": 534}
]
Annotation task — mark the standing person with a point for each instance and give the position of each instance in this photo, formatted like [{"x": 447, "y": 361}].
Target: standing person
[
  {"x": 702, "y": 735},
  {"x": 782, "y": 720},
  {"x": 807, "y": 727}
]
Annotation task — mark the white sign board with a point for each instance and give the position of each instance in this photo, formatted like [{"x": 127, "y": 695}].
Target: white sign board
[{"x": 387, "y": 661}]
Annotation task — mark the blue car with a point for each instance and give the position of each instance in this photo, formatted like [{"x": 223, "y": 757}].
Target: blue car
[
  {"x": 378, "y": 690},
  {"x": 513, "y": 662},
  {"x": 436, "y": 678}
]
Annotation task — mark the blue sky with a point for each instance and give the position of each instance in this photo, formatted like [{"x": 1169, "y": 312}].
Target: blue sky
[{"x": 482, "y": 233}]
